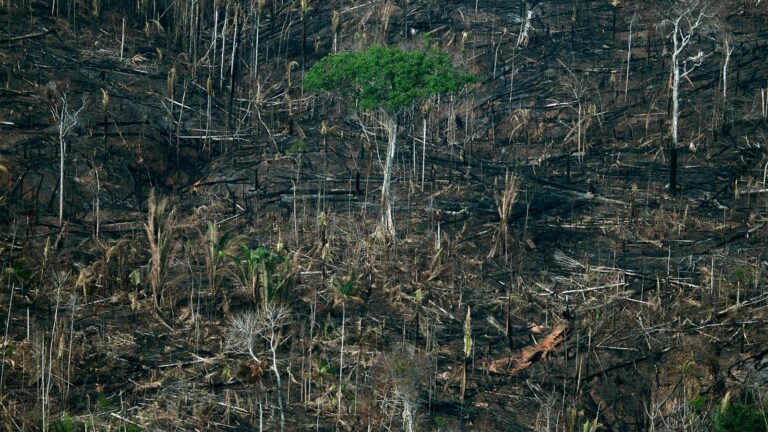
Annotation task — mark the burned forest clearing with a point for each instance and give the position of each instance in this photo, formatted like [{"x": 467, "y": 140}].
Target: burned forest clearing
[{"x": 528, "y": 215}]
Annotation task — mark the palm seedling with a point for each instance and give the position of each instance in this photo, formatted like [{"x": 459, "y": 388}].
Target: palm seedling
[
  {"x": 263, "y": 274},
  {"x": 217, "y": 248},
  {"x": 161, "y": 233},
  {"x": 504, "y": 205}
]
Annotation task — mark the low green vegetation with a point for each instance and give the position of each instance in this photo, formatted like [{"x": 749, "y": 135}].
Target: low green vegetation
[{"x": 739, "y": 417}]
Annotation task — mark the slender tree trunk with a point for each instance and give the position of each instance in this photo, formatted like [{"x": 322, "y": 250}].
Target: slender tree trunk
[
  {"x": 303, "y": 41},
  {"x": 62, "y": 153},
  {"x": 387, "y": 221},
  {"x": 675, "y": 119},
  {"x": 223, "y": 47},
  {"x": 423, "y": 149},
  {"x": 341, "y": 356},
  {"x": 278, "y": 381},
  {"x": 629, "y": 55},
  {"x": 256, "y": 56},
  {"x": 407, "y": 414},
  {"x": 728, "y": 51},
  {"x": 98, "y": 190},
  {"x": 579, "y": 134},
  {"x": 214, "y": 36}
]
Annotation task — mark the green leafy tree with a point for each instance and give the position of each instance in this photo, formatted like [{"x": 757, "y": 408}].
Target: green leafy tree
[{"x": 388, "y": 80}]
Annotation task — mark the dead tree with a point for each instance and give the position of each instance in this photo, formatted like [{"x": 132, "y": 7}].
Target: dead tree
[
  {"x": 247, "y": 330},
  {"x": 685, "y": 20},
  {"x": 66, "y": 119}
]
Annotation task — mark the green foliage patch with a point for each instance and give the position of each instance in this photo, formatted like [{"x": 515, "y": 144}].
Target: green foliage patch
[
  {"x": 738, "y": 417},
  {"x": 385, "y": 77}
]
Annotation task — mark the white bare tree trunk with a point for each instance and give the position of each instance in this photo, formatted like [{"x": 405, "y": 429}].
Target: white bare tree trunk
[
  {"x": 387, "y": 220},
  {"x": 98, "y": 191},
  {"x": 685, "y": 23},
  {"x": 675, "y": 112},
  {"x": 579, "y": 150},
  {"x": 256, "y": 57},
  {"x": 629, "y": 57},
  {"x": 408, "y": 414},
  {"x": 62, "y": 153},
  {"x": 675, "y": 93},
  {"x": 234, "y": 47},
  {"x": 66, "y": 120},
  {"x": 223, "y": 46},
  {"x": 728, "y": 52},
  {"x": 527, "y": 26},
  {"x": 278, "y": 381},
  {"x": 423, "y": 149},
  {"x": 341, "y": 355},
  {"x": 215, "y": 34}
]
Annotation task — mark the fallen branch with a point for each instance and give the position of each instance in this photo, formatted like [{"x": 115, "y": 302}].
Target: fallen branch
[{"x": 27, "y": 36}]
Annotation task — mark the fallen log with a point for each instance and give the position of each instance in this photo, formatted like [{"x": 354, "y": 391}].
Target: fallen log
[{"x": 529, "y": 355}]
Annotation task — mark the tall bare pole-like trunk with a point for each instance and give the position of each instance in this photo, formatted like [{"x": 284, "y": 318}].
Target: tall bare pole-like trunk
[
  {"x": 423, "y": 149},
  {"x": 65, "y": 120},
  {"x": 387, "y": 219},
  {"x": 62, "y": 155},
  {"x": 278, "y": 381},
  {"x": 687, "y": 20},
  {"x": 728, "y": 52},
  {"x": 675, "y": 112},
  {"x": 341, "y": 354},
  {"x": 215, "y": 35},
  {"x": 629, "y": 57},
  {"x": 260, "y": 7},
  {"x": 223, "y": 46}
]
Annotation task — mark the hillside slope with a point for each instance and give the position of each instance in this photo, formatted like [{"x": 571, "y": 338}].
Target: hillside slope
[{"x": 533, "y": 210}]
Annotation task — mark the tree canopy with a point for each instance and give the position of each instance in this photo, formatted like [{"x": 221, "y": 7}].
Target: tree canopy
[{"x": 387, "y": 78}]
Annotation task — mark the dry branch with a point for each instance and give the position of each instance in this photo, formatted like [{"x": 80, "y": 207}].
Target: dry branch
[{"x": 28, "y": 36}]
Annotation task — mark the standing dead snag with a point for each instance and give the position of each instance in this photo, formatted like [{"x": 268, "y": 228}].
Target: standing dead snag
[
  {"x": 629, "y": 53},
  {"x": 686, "y": 19},
  {"x": 66, "y": 119},
  {"x": 388, "y": 80},
  {"x": 264, "y": 325},
  {"x": 526, "y": 26}
]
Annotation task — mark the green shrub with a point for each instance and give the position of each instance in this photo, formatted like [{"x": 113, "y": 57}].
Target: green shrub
[{"x": 737, "y": 417}]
